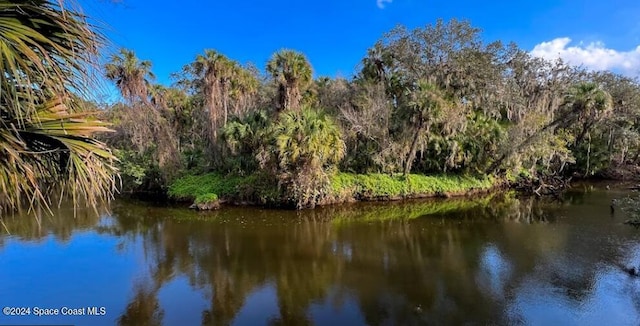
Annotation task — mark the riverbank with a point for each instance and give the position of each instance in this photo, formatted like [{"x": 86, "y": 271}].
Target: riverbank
[{"x": 210, "y": 190}]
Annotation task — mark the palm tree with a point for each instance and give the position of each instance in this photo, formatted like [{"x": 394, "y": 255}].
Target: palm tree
[
  {"x": 242, "y": 137},
  {"x": 308, "y": 137},
  {"x": 46, "y": 140},
  {"x": 131, "y": 76},
  {"x": 214, "y": 72},
  {"x": 424, "y": 110},
  {"x": 174, "y": 107},
  {"x": 244, "y": 86},
  {"x": 145, "y": 124},
  {"x": 375, "y": 64},
  {"x": 589, "y": 103},
  {"x": 307, "y": 143},
  {"x": 293, "y": 74}
]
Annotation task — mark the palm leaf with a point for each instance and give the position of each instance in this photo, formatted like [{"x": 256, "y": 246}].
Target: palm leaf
[{"x": 47, "y": 148}]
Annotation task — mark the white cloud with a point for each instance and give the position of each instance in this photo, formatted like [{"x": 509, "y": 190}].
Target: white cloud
[
  {"x": 381, "y": 3},
  {"x": 594, "y": 56}
]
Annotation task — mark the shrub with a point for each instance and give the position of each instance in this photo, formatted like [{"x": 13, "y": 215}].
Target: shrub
[{"x": 206, "y": 198}]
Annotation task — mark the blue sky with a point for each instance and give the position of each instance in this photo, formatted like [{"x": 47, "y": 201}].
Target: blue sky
[{"x": 335, "y": 34}]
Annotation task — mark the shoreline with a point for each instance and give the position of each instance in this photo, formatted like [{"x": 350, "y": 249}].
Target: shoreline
[{"x": 343, "y": 188}]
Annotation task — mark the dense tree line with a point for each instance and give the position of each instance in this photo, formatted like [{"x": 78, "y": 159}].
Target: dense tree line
[{"x": 431, "y": 100}]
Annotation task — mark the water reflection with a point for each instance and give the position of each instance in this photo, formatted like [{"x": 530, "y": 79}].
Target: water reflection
[{"x": 497, "y": 260}]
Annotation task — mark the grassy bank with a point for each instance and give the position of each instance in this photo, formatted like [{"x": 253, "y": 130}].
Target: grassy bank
[{"x": 344, "y": 187}]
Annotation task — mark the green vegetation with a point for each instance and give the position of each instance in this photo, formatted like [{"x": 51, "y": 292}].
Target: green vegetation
[
  {"x": 206, "y": 198},
  {"x": 46, "y": 128},
  {"x": 342, "y": 187},
  {"x": 414, "y": 185},
  {"x": 431, "y": 111},
  {"x": 434, "y": 111},
  {"x": 192, "y": 186}
]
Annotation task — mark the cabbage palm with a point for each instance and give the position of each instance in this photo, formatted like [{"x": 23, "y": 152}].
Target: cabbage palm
[
  {"x": 589, "y": 104},
  {"x": 144, "y": 125},
  {"x": 425, "y": 109},
  {"x": 308, "y": 137},
  {"x": 46, "y": 141},
  {"x": 242, "y": 137},
  {"x": 131, "y": 75},
  {"x": 214, "y": 72},
  {"x": 293, "y": 74},
  {"x": 307, "y": 144}
]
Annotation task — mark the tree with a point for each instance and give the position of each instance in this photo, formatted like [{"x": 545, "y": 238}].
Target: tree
[
  {"x": 222, "y": 87},
  {"x": 589, "y": 103},
  {"x": 293, "y": 75},
  {"x": 244, "y": 88},
  {"x": 243, "y": 137},
  {"x": 531, "y": 108},
  {"x": 214, "y": 72},
  {"x": 131, "y": 75},
  {"x": 47, "y": 142},
  {"x": 138, "y": 121},
  {"x": 176, "y": 108},
  {"x": 146, "y": 138},
  {"x": 414, "y": 67},
  {"x": 427, "y": 107},
  {"x": 304, "y": 146},
  {"x": 618, "y": 131}
]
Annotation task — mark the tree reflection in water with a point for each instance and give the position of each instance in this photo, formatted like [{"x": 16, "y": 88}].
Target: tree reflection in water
[
  {"x": 452, "y": 262},
  {"x": 144, "y": 308}
]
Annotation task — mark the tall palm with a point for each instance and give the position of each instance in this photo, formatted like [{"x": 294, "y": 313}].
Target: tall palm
[
  {"x": 293, "y": 74},
  {"x": 424, "y": 110},
  {"x": 214, "y": 72},
  {"x": 131, "y": 75},
  {"x": 45, "y": 138},
  {"x": 145, "y": 124}
]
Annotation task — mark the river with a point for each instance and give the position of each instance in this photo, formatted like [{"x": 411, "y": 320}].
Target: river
[{"x": 488, "y": 260}]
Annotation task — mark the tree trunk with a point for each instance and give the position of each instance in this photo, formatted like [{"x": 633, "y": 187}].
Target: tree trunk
[
  {"x": 226, "y": 109},
  {"x": 583, "y": 133},
  {"x": 414, "y": 148},
  {"x": 588, "y": 155}
]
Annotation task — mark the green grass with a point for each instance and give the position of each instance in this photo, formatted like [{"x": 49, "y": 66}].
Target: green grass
[
  {"x": 251, "y": 187},
  {"x": 206, "y": 198},
  {"x": 192, "y": 186},
  {"x": 384, "y": 185},
  {"x": 344, "y": 186}
]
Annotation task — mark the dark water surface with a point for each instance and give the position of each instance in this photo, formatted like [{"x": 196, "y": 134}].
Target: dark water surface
[{"x": 485, "y": 261}]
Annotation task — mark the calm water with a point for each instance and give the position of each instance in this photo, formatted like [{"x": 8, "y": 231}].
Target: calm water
[{"x": 485, "y": 261}]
